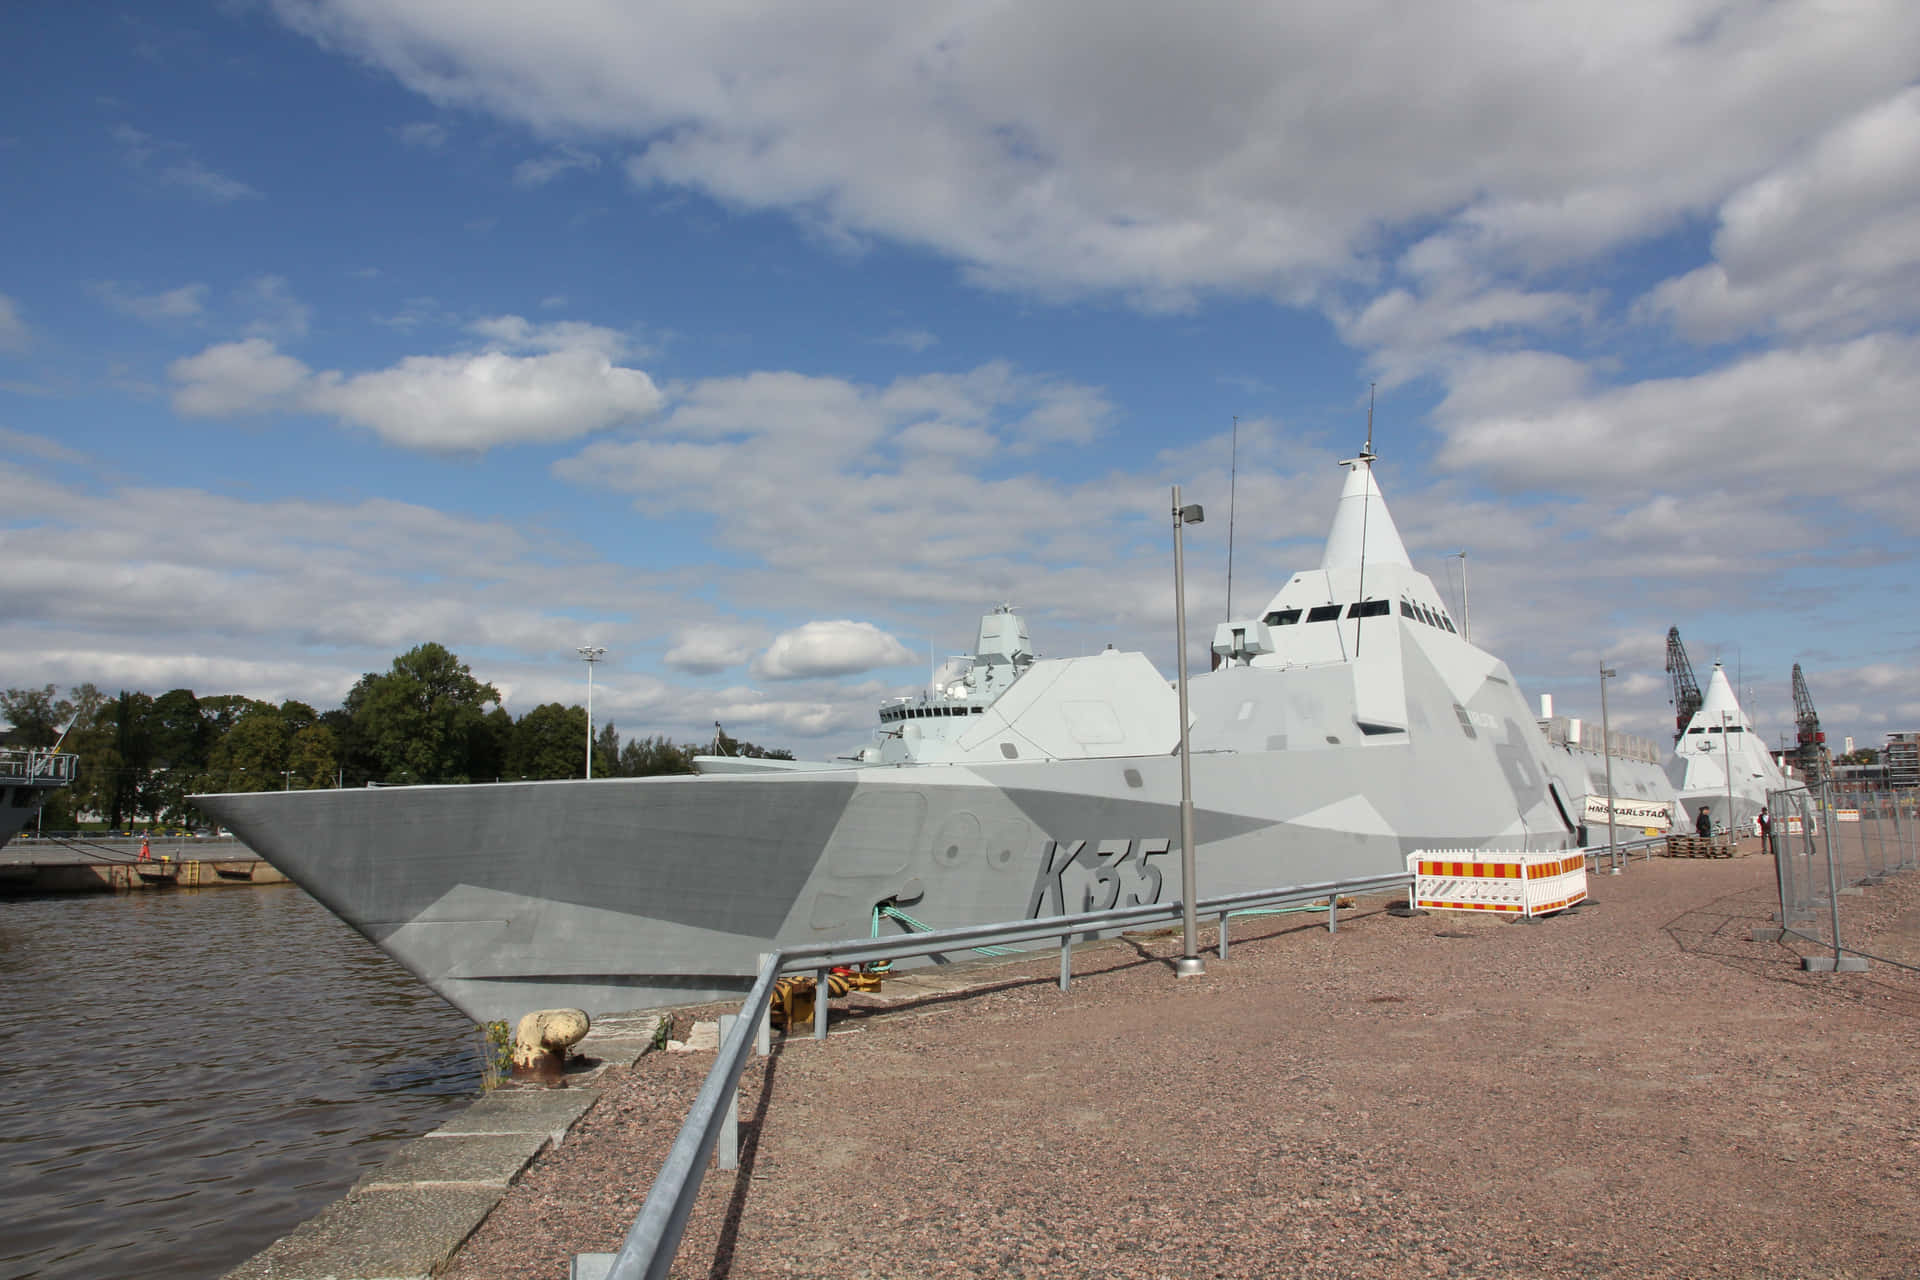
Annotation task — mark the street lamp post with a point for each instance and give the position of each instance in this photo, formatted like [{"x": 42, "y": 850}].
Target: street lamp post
[
  {"x": 1726, "y": 754},
  {"x": 1189, "y": 965},
  {"x": 1606, "y": 750},
  {"x": 590, "y": 653}
]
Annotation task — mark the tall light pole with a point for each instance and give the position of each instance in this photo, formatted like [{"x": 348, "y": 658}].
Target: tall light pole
[
  {"x": 1726, "y": 753},
  {"x": 1189, "y": 965},
  {"x": 1606, "y": 748},
  {"x": 591, "y": 653}
]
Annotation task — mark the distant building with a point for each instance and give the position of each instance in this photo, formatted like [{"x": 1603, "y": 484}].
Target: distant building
[
  {"x": 1860, "y": 777},
  {"x": 1902, "y": 759}
]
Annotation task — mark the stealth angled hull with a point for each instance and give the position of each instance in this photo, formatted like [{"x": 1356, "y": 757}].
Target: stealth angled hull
[{"x": 1351, "y": 724}]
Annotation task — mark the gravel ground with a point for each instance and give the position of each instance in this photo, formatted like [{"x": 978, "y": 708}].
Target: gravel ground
[{"x": 1631, "y": 1089}]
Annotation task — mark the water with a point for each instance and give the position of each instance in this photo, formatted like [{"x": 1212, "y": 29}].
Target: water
[{"x": 188, "y": 1075}]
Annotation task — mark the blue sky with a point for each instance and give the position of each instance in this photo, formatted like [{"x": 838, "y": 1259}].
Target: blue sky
[{"x": 767, "y": 346}]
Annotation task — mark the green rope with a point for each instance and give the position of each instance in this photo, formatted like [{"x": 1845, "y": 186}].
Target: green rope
[{"x": 882, "y": 908}]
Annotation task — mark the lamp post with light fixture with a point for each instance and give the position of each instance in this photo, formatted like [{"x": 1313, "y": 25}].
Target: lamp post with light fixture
[
  {"x": 590, "y": 654},
  {"x": 1606, "y": 749},
  {"x": 1189, "y": 965}
]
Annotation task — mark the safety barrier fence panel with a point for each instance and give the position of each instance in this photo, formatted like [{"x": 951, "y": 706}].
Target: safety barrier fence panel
[
  {"x": 654, "y": 1238},
  {"x": 1830, "y": 846}
]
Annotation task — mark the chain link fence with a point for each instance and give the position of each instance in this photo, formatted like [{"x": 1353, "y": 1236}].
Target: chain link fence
[{"x": 1829, "y": 845}]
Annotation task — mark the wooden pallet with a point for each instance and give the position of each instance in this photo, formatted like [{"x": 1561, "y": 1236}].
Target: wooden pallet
[{"x": 1697, "y": 847}]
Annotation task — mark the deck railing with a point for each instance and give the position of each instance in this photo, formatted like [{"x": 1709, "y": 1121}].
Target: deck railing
[{"x": 35, "y": 767}]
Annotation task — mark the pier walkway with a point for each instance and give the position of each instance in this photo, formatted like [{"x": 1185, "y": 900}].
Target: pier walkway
[{"x": 1634, "y": 1088}]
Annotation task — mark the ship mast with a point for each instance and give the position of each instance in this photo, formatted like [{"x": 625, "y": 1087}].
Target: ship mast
[{"x": 1366, "y": 498}]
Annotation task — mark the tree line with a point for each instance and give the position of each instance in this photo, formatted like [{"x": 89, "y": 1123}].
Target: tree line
[{"x": 427, "y": 719}]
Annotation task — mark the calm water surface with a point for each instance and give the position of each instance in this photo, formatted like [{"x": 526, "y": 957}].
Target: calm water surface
[{"x": 190, "y": 1074}]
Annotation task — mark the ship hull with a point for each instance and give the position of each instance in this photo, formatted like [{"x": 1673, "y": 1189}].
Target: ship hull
[{"x": 620, "y": 894}]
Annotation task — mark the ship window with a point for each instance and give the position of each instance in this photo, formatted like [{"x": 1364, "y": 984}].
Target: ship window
[
  {"x": 1701, "y": 730},
  {"x": 1449, "y": 623},
  {"x": 1406, "y": 610},
  {"x": 1714, "y": 729},
  {"x": 1324, "y": 613},
  {"x": 1368, "y": 609},
  {"x": 1426, "y": 615},
  {"x": 1733, "y": 728},
  {"x": 1282, "y": 617},
  {"x": 978, "y": 710}
]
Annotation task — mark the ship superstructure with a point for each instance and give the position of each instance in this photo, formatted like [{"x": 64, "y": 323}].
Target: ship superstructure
[
  {"x": 27, "y": 778},
  {"x": 1721, "y": 763},
  {"x": 1349, "y": 724}
]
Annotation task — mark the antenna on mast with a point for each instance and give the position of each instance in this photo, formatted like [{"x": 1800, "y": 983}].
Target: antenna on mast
[
  {"x": 1366, "y": 498},
  {"x": 1233, "y": 478}
]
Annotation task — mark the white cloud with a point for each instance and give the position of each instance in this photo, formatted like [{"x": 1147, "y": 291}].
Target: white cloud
[
  {"x": 1264, "y": 148},
  {"x": 704, "y": 650},
  {"x": 1756, "y": 424},
  {"x": 915, "y": 340},
  {"x": 829, "y": 649},
  {"x": 188, "y": 302},
  {"x": 173, "y": 164},
  {"x": 516, "y": 334},
  {"x": 812, "y": 476},
  {"x": 277, "y": 314},
  {"x": 541, "y": 170},
  {"x": 33, "y": 446},
  {"x": 424, "y": 134},
  {"x": 249, "y": 376},
  {"x": 1825, "y": 244},
  {"x": 456, "y": 403},
  {"x": 14, "y": 334}
]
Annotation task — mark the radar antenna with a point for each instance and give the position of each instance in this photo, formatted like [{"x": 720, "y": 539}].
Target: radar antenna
[
  {"x": 1366, "y": 498},
  {"x": 1686, "y": 690},
  {"x": 1811, "y": 756}
]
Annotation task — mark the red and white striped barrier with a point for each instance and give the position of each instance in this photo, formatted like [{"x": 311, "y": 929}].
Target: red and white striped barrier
[{"x": 1520, "y": 884}]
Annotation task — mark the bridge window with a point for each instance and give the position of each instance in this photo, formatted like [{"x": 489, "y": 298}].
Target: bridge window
[
  {"x": 1323, "y": 613},
  {"x": 1369, "y": 609},
  {"x": 1282, "y": 617}
]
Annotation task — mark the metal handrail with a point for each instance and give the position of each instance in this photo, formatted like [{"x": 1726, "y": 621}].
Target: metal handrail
[
  {"x": 36, "y": 765},
  {"x": 653, "y": 1240}
]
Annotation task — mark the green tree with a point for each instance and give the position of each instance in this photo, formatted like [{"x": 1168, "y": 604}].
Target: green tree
[
  {"x": 310, "y": 755},
  {"x": 180, "y": 738},
  {"x": 250, "y": 755},
  {"x": 606, "y": 752},
  {"x": 650, "y": 757},
  {"x": 725, "y": 746},
  {"x": 425, "y": 720},
  {"x": 548, "y": 742},
  {"x": 37, "y": 715}
]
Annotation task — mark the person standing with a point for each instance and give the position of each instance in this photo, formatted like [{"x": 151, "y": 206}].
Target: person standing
[
  {"x": 1765, "y": 823},
  {"x": 1703, "y": 822}
]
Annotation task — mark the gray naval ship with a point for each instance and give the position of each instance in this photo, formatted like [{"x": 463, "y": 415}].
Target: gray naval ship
[
  {"x": 1346, "y": 725},
  {"x": 1644, "y": 800},
  {"x": 1721, "y": 764},
  {"x": 27, "y": 778}
]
